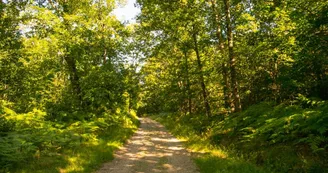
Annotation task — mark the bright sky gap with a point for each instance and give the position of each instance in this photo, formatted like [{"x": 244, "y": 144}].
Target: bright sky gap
[{"x": 127, "y": 12}]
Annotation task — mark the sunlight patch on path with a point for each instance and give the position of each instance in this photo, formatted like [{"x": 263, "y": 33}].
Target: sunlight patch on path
[{"x": 151, "y": 149}]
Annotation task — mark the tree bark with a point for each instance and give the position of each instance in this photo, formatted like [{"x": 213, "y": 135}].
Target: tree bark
[
  {"x": 188, "y": 82},
  {"x": 201, "y": 77},
  {"x": 232, "y": 60},
  {"x": 74, "y": 77},
  {"x": 226, "y": 85},
  {"x": 105, "y": 55},
  {"x": 71, "y": 64},
  {"x": 103, "y": 34}
]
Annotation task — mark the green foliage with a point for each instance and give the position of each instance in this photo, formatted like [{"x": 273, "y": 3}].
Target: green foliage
[
  {"x": 274, "y": 133},
  {"x": 32, "y": 137},
  {"x": 279, "y": 52},
  {"x": 307, "y": 102},
  {"x": 208, "y": 157},
  {"x": 212, "y": 163},
  {"x": 66, "y": 76},
  {"x": 282, "y": 138},
  {"x": 64, "y": 88}
]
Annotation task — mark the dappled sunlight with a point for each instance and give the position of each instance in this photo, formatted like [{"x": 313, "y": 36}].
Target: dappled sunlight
[
  {"x": 176, "y": 148},
  {"x": 151, "y": 149},
  {"x": 114, "y": 144},
  {"x": 75, "y": 163},
  {"x": 219, "y": 153},
  {"x": 166, "y": 140}
]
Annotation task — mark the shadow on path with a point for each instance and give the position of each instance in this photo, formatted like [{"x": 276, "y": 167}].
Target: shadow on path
[{"x": 151, "y": 149}]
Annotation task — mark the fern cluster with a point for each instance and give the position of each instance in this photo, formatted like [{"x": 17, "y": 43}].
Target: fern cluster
[
  {"x": 300, "y": 129},
  {"x": 28, "y": 136}
]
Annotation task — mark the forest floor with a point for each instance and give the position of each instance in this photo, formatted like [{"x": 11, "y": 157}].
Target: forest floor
[{"x": 151, "y": 149}]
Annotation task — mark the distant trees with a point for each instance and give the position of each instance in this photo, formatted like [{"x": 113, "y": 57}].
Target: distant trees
[
  {"x": 238, "y": 52},
  {"x": 65, "y": 81},
  {"x": 63, "y": 55}
]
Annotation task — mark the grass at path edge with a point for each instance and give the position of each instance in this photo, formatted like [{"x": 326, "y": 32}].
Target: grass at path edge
[
  {"x": 87, "y": 157},
  {"x": 209, "y": 159}
]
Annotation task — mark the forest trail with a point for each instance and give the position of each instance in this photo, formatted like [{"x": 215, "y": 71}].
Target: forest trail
[{"x": 151, "y": 149}]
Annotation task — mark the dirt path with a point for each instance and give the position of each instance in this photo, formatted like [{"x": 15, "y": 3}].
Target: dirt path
[{"x": 151, "y": 149}]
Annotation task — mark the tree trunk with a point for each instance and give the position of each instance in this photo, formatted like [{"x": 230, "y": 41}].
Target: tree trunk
[
  {"x": 74, "y": 77},
  {"x": 103, "y": 35},
  {"x": 232, "y": 61},
  {"x": 188, "y": 82},
  {"x": 71, "y": 64},
  {"x": 275, "y": 85},
  {"x": 105, "y": 55},
  {"x": 226, "y": 85},
  {"x": 201, "y": 77}
]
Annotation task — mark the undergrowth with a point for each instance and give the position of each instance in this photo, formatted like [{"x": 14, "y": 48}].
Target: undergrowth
[
  {"x": 263, "y": 138},
  {"x": 208, "y": 157},
  {"x": 31, "y": 143}
]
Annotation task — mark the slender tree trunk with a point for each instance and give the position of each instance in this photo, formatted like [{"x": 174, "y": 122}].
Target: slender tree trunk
[
  {"x": 74, "y": 77},
  {"x": 217, "y": 20},
  {"x": 201, "y": 76},
  {"x": 104, "y": 61},
  {"x": 232, "y": 60},
  {"x": 71, "y": 64},
  {"x": 275, "y": 85},
  {"x": 105, "y": 55},
  {"x": 188, "y": 82},
  {"x": 226, "y": 85}
]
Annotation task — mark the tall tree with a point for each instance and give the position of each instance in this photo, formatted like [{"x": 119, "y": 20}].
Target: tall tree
[
  {"x": 200, "y": 70},
  {"x": 236, "y": 106},
  {"x": 217, "y": 23}
]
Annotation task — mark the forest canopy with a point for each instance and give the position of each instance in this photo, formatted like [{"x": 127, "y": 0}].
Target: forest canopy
[{"x": 72, "y": 74}]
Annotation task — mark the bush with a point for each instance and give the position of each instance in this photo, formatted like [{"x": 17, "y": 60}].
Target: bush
[
  {"x": 24, "y": 137},
  {"x": 303, "y": 132}
]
